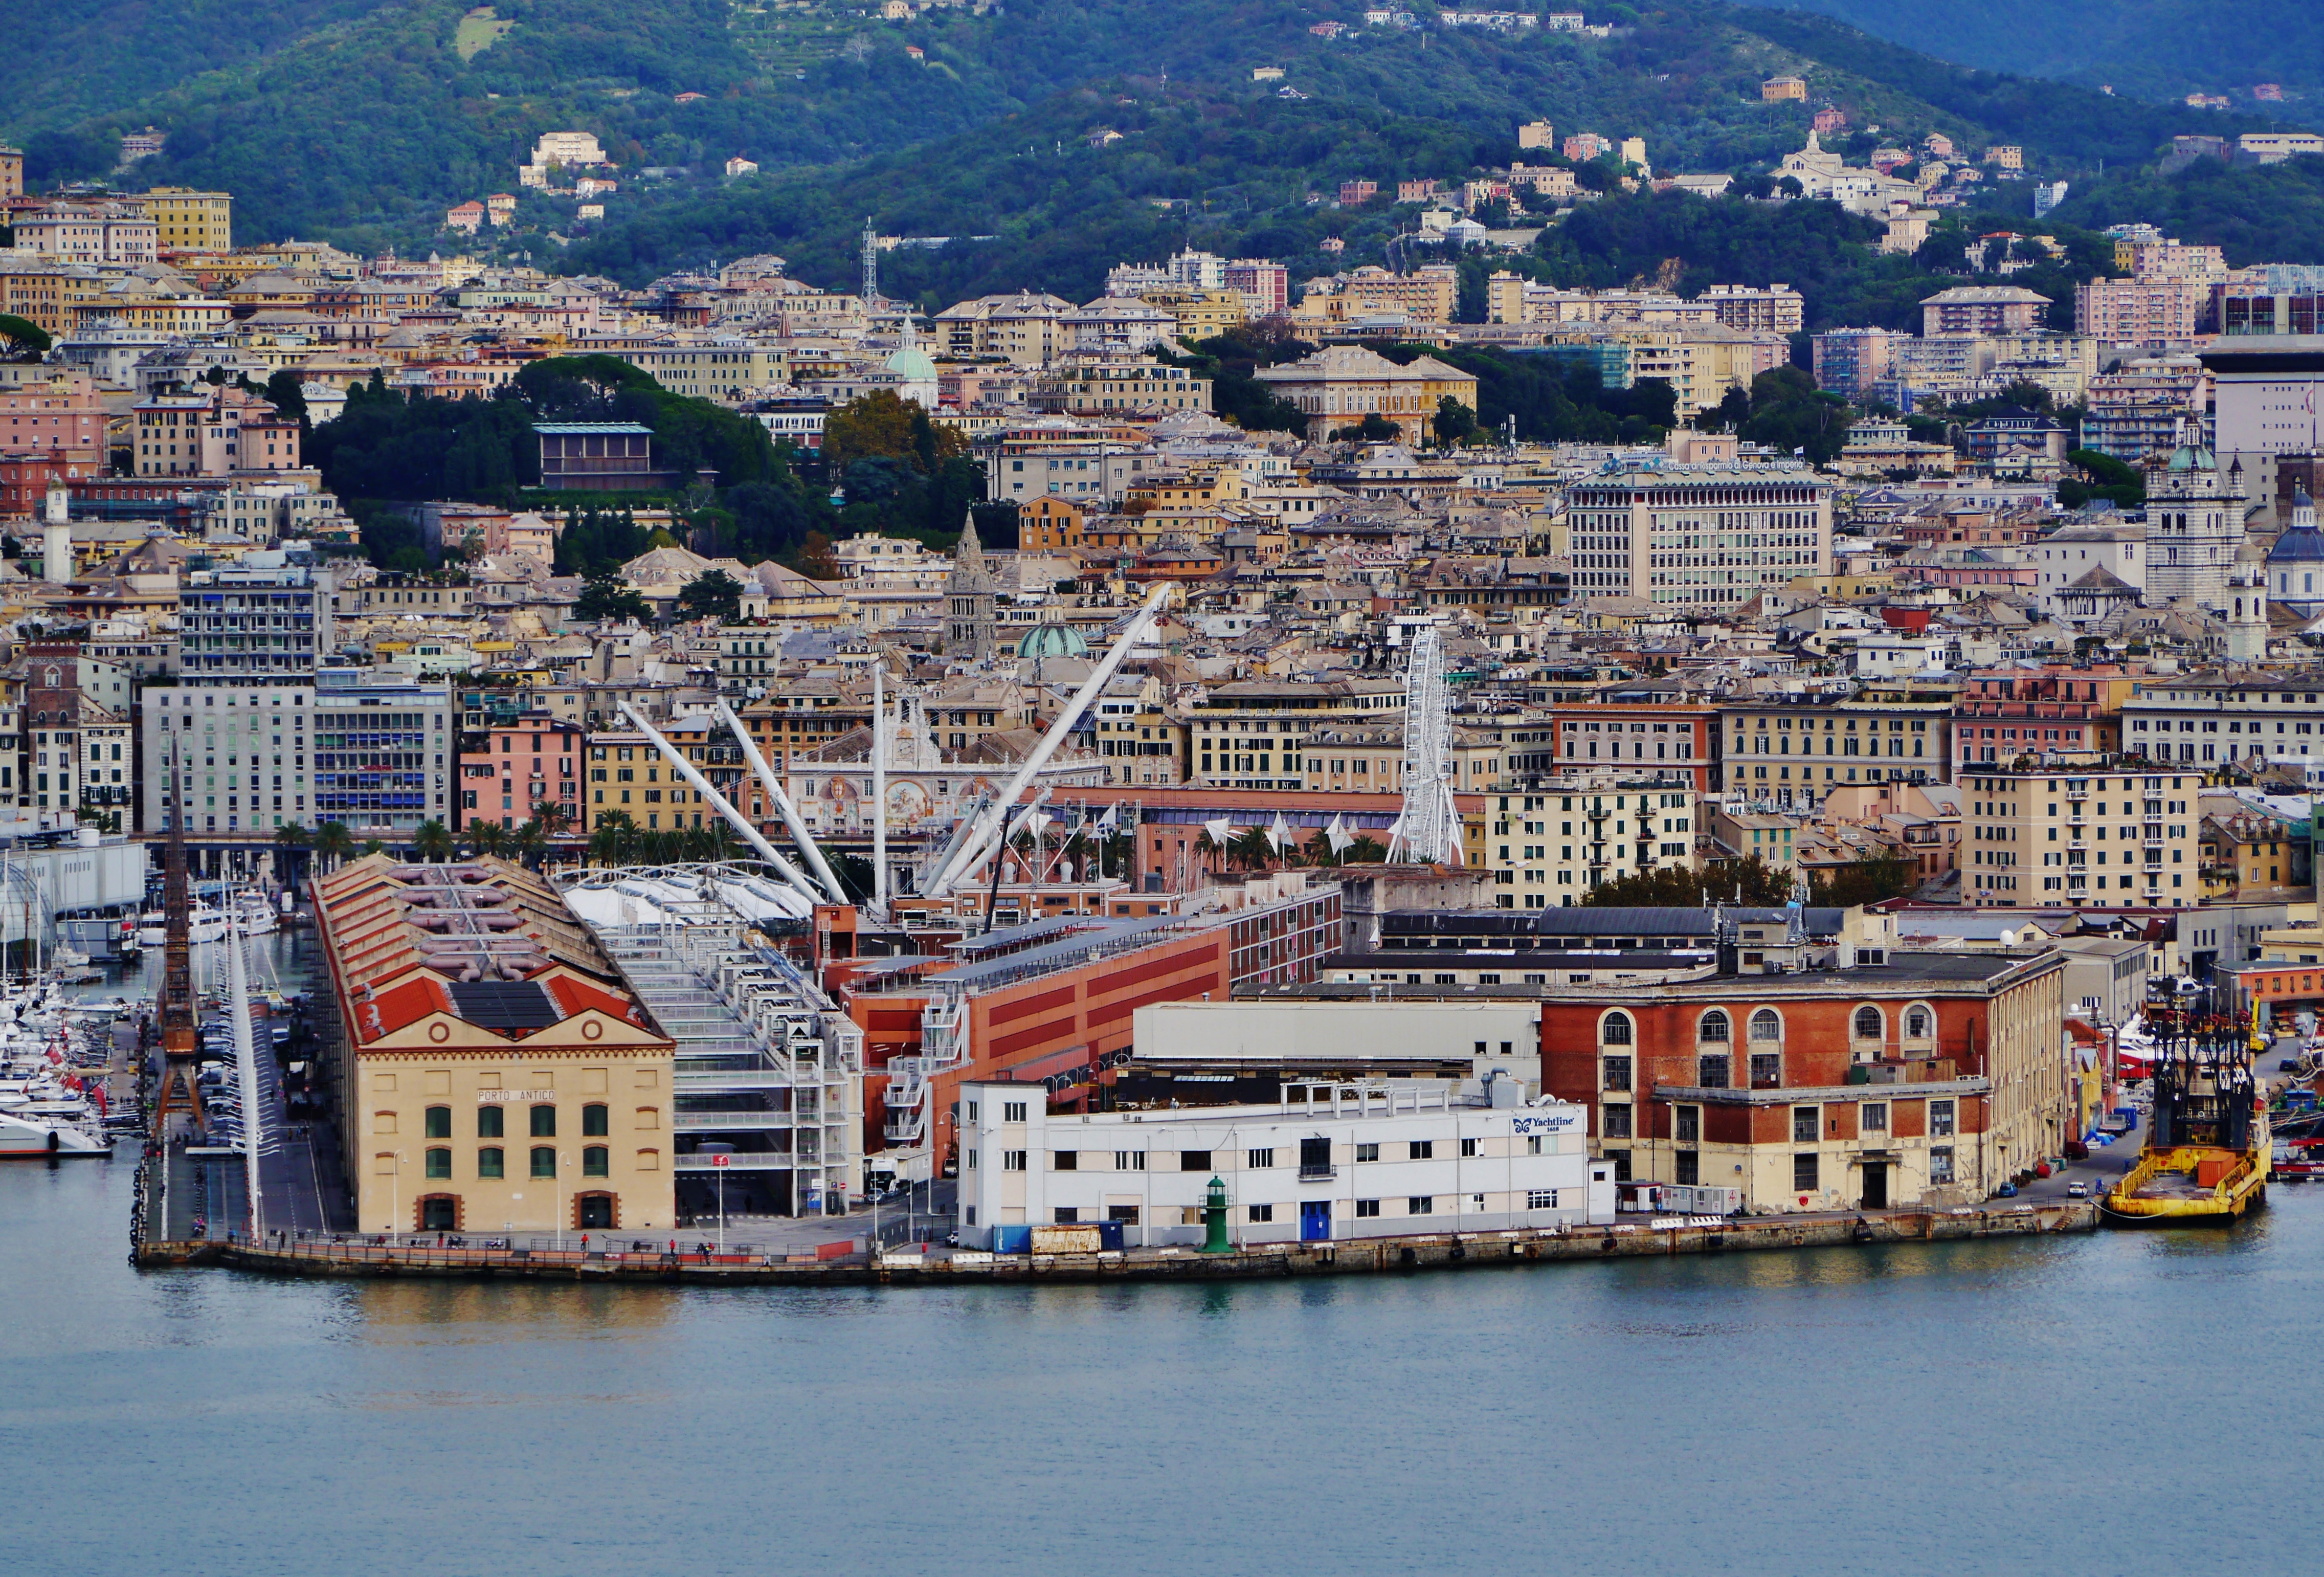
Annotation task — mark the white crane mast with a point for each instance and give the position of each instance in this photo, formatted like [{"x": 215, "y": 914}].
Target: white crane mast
[
  {"x": 1428, "y": 832},
  {"x": 984, "y": 830}
]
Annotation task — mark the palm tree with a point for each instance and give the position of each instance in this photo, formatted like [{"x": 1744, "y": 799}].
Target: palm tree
[
  {"x": 432, "y": 841},
  {"x": 1364, "y": 851},
  {"x": 487, "y": 837},
  {"x": 374, "y": 846},
  {"x": 609, "y": 845},
  {"x": 1252, "y": 851},
  {"x": 334, "y": 843},
  {"x": 532, "y": 841}
]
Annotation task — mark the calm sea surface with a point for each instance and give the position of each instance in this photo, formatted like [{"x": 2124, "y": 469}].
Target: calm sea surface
[{"x": 2101, "y": 1403}]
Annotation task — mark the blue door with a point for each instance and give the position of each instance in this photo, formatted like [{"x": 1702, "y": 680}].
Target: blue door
[{"x": 1315, "y": 1221}]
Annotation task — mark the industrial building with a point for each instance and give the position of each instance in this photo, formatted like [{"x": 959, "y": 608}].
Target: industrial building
[{"x": 1330, "y": 1163}]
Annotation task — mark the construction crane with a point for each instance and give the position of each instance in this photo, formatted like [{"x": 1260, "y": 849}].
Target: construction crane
[
  {"x": 1428, "y": 832},
  {"x": 983, "y": 828}
]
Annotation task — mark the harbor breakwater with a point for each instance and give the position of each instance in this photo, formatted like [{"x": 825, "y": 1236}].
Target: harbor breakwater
[{"x": 856, "y": 1266}]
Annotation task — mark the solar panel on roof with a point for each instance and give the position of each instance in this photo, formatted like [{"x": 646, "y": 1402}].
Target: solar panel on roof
[{"x": 501, "y": 1004}]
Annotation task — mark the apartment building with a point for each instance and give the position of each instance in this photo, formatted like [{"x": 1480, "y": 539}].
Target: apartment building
[
  {"x": 1119, "y": 388},
  {"x": 217, "y": 430},
  {"x": 521, "y": 770},
  {"x": 2109, "y": 832},
  {"x": 1982, "y": 310},
  {"x": 1794, "y": 751},
  {"x": 2004, "y": 713},
  {"x": 2150, "y": 312},
  {"x": 1253, "y": 733},
  {"x": 2204, "y": 719},
  {"x": 1547, "y": 850},
  {"x": 1673, "y": 735},
  {"x": 186, "y": 220},
  {"x": 1703, "y": 537}
]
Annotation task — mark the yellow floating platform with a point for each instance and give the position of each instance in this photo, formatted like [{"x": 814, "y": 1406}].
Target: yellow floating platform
[{"x": 2168, "y": 1188}]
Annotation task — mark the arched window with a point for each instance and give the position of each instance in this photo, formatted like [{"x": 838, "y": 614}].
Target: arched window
[
  {"x": 1866, "y": 1026},
  {"x": 593, "y": 1120},
  {"x": 544, "y": 1161},
  {"x": 488, "y": 1162},
  {"x": 440, "y": 1122},
  {"x": 596, "y": 1162},
  {"x": 544, "y": 1122},
  {"x": 1614, "y": 1029},
  {"x": 488, "y": 1122},
  {"x": 440, "y": 1163},
  {"x": 1712, "y": 1030},
  {"x": 1919, "y": 1024},
  {"x": 1767, "y": 1026}
]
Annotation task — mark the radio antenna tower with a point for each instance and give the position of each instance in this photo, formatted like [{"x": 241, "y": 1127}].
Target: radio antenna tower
[
  {"x": 1428, "y": 832},
  {"x": 870, "y": 264}
]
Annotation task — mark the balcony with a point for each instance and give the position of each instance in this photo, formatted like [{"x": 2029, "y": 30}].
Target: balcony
[{"x": 1317, "y": 1173}]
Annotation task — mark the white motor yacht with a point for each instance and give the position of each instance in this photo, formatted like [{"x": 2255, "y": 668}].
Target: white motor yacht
[
  {"x": 207, "y": 925},
  {"x": 28, "y": 1138}
]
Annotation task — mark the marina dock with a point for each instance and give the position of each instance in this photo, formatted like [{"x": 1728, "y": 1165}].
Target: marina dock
[{"x": 686, "y": 1263}]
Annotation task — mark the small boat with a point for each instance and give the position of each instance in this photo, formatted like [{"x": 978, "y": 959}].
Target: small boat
[{"x": 253, "y": 915}]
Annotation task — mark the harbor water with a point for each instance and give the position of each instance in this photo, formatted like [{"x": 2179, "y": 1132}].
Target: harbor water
[{"x": 2123, "y": 1402}]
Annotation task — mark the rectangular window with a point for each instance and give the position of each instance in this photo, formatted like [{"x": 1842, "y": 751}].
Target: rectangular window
[
  {"x": 1420, "y": 1204},
  {"x": 1012, "y": 1111},
  {"x": 1940, "y": 1119},
  {"x": 544, "y": 1122},
  {"x": 1767, "y": 1070},
  {"x": 440, "y": 1163},
  {"x": 489, "y": 1163},
  {"x": 440, "y": 1122},
  {"x": 1125, "y": 1213},
  {"x": 1875, "y": 1117},
  {"x": 1194, "y": 1160},
  {"x": 1065, "y": 1161},
  {"x": 1259, "y": 1160},
  {"x": 1940, "y": 1163},
  {"x": 544, "y": 1161},
  {"x": 1315, "y": 1155},
  {"x": 1805, "y": 1124},
  {"x": 1617, "y": 1073},
  {"x": 1710, "y": 1072},
  {"x": 1470, "y": 1148},
  {"x": 1260, "y": 1215},
  {"x": 1804, "y": 1173},
  {"x": 1368, "y": 1152},
  {"x": 1617, "y": 1121},
  {"x": 1129, "y": 1160},
  {"x": 1687, "y": 1167},
  {"x": 1689, "y": 1126},
  {"x": 1421, "y": 1150},
  {"x": 1012, "y": 1160},
  {"x": 1067, "y": 1216},
  {"x": 488, "y": 1121},
  {"x": 1367, "y": 1207},
  {"x": 1541, "y": 1199}
]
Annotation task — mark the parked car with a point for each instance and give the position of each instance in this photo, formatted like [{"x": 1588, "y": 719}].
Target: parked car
[{"x": 2077, "y": 1191}]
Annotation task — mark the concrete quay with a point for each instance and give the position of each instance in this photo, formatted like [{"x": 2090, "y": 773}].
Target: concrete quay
[{"x": 931, "y": 1266}]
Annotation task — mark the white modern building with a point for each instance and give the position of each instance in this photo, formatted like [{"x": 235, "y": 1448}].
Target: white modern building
[{"x": 1331, "y": 1163}]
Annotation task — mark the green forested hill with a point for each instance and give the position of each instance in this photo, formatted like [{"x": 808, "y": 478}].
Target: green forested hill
[
  {"x": 2150, "y": 49},
  {"x": 359, "y": 121}
]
